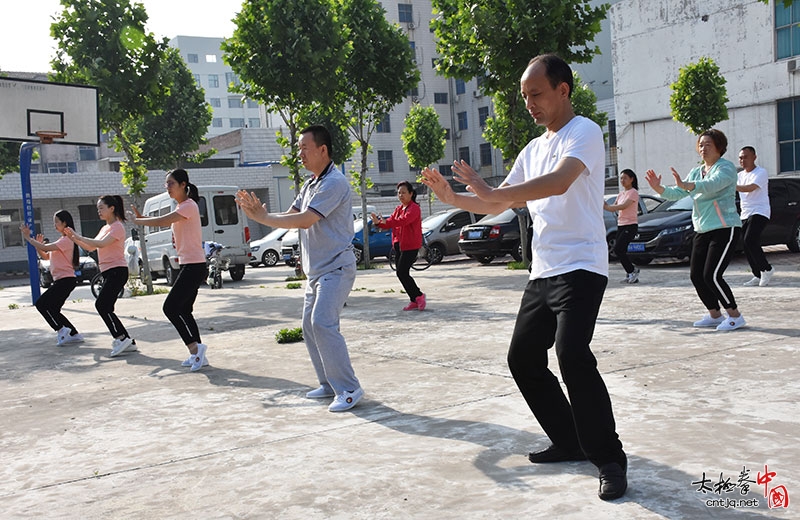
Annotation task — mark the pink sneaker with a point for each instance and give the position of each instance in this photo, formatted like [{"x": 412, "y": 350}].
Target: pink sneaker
[
  {"x": 411, "y": 306},
  {"x": 421, "y": 302}
]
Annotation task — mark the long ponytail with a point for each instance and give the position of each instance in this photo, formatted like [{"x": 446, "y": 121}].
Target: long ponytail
[
  {"x": 65, "y": 217},
  {"x": 181, "y": 176},
  {"x": 117, "y": 203}
]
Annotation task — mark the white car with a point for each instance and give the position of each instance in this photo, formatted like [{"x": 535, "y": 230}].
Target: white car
[{"x": 267, "y": 250}]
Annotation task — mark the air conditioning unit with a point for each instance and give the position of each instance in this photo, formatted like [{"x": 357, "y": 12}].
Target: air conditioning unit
[
  {"x": 410, "y": 25},
  {"x": 458, "y": 134},
  {"x": 456, "y": 98},
  {"x": 477, "y": 93},
  {"x": 791, "y": 66}
]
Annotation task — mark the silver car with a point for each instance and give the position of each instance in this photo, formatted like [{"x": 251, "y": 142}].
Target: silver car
[{"x": 441, "y": 231}]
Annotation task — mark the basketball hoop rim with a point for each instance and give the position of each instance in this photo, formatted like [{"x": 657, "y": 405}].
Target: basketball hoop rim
[{"x": 46, "y": 137}]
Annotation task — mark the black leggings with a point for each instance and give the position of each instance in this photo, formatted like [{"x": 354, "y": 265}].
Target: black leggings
[
  {"x": 405, "y": 259},
  {"x": 49, "y": 304},
  {"x": 179, "y": 304},
  {"x": 711, "y": 253},
  {"x": 114, "y": 280},
  {"x": 624, "y": 236}
]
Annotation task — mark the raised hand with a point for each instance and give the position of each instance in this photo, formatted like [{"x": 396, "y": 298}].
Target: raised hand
[{"x": 434, "y": 180}]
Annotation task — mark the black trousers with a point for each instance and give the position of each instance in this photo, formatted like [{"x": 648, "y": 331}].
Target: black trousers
[
  {"x": 50, "y": 303},
  {"x": 114, "y": 280},
  {"x": 752, "y": 228},
  {"x": 711, "y": 254},
  {"x": 405, "y": 259},
  {"x": 624, "y": 236},
  {"x": 179, "y": 304},
  {"x": 561, "y": 311}
]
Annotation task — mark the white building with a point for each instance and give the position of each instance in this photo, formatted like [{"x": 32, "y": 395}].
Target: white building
[{"x": 755, "y": 47}]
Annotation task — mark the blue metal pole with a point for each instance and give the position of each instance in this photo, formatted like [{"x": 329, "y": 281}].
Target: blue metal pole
[{"x": 25, "y": 156}]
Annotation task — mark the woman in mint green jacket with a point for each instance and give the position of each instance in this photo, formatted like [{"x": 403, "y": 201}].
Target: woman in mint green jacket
[{"x": 717, "y": 226}]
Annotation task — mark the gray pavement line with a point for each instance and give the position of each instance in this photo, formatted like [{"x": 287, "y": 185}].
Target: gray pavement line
[{"x": 365, "y": 422}]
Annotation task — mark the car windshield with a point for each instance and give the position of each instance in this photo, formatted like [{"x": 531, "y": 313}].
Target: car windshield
[
  {"x": 506, "y": 216},
  {"x": 684, "y": 204}
]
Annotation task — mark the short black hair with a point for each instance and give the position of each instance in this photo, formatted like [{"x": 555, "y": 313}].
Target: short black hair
[
  {"x": 556, "y": 70},
  {"x": 321, "y": 136},
  {"x": 749, "y": 149}
]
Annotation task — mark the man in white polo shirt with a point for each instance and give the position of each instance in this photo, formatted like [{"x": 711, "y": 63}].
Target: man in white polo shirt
[
  {"x": 559, "y": 176},
  {"x": 752, "y": 186}
]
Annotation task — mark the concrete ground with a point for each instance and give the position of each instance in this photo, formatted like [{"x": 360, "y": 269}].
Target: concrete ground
[{"x": 442, "y": 432}]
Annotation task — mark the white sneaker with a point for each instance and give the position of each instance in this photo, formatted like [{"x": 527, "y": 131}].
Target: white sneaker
[
  {"x": 732, "y": 323},
  {"x": 708, "y": 321},
  {"x": 118, "y": 346},
  {"x": 199, "y": 359},
  {"x": 752, "y": 282},
  {"x": 61, "y": 335},
  {"x": 188, "y": 361},
  {"x": 766, "y": 276},
  {"x": 634, "y": 276},
  {"x": 77, "y": 338},
  {"x": 346, "y": 400},
  {"x": 321, "y": 393}
]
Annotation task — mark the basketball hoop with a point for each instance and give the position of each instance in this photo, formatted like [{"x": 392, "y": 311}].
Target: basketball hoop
[{"x": 47, "y": 136}]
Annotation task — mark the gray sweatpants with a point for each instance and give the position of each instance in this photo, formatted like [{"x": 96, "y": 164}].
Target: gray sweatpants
[{"x": 324, "y": 300}]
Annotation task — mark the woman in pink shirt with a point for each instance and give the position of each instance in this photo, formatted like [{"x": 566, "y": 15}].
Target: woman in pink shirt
[
  {"x": 110, "y": 246},
  {"x": 64, "y": 259},
  {"x": 627, "y": 206},
  {"x": 188, "y": 238}
]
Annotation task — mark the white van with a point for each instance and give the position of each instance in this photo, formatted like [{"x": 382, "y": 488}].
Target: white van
[{"x": 221, "y": 219}]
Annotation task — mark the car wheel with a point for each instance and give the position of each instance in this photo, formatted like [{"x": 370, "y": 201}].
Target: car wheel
[
  {"x": 169, "y": 273},
  {"x": 611, "y": 240},
  {"x": 484, "y": 259},
  {"x": 517, "y": 253},
  {"x": 236, "y": 272},
  {"x": 794, "y": 242},
  {"x": 359, "y": 252},
  {"x": 269, "y": 258},
  {"x": 435, "y": 253}
]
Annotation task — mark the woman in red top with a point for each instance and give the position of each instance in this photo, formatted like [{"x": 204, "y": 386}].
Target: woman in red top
[
  {"x": 406, "y": 226},
  {"x": 64, "y": 259},
  {"x": 188, "y": 236},
  {"x": 110, "y": 246}
]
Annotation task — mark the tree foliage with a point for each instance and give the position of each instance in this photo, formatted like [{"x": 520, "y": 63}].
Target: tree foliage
[
  {"x": 286, "y": 55},
  {"x": 9, "y": 157},
  {"x": 170, "y": 136},
  {"x": 423, "y": 137},
  {"x": 699, "y": 96},
  {"x": 495, "y": 40}
]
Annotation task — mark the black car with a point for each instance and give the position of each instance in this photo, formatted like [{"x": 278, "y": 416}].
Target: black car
[
  {"x": 87, "y": 268},
  {"x": 491, "y": 237},
  {"x": 784, "y": 221}
]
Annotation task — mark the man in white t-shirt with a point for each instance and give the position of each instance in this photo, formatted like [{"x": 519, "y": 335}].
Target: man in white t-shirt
[
  {"x": 559, "y": 176},
  {"x": 752, "y": 186}
]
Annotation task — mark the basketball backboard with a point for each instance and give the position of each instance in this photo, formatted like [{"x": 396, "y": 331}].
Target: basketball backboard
[{"x": 30, "y": 106}]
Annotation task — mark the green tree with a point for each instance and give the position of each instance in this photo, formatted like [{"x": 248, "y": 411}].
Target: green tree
[
  {"x": 286, "y": 55},
  {"x": 375, "y": 77},
  {"x": 9, "y": 157},
  {"x": 170, "y": 136},
  {"x": 699, "y": 96},
  {"x": 104, "y": 43},
  {"x": 495, "y": 40},
  {"x": 423, "y": 139}
]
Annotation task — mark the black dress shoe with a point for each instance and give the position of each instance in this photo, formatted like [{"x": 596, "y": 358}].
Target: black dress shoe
[
  {"x": 555, "y": 454},
  {"x": 613, "y": 480}
]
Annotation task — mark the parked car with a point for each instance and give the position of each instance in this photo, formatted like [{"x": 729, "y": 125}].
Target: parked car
[
  {"x": 491, "y": 237},
  {"x": 443, "y": 229},
  {"x": 87, "y": 268},
  {"x": 647, "y": 204},
  {"x": 380, "y": 241},
  {"x": 665, "y": 233},
  {"x": 267, "y": 250},
  {"x": 784, "y": 222},
  {"x": 290, "y": 245}
]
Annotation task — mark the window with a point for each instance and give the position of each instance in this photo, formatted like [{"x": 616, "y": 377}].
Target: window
[
  {"x": 87, "y": 153},
  {"x": 789, "y": 135},
  {"x": 462, "y": 121},
  {"x": 191, "y": 58},
  {"x": 10, "y": 220},
  {"x": 479, "y": 81},
  {"x": 463, "y": 154},
  {"x": 203, "y": 208},
  {"x": 483, "y": 115},
  {"x": 216, "y": 122},
  {"x": 405, "y": 13},
  {"x": 461, "y": 87},
  {"x": 384, "y": 126},
  {"x": 237, "y": 122},
  {"x": 62, "y": 167},
  {"x": 486, "y": 154},
  {"x": 446, "y": 134},
  {"x": 252, "y": 103},
  {"x": 254, "y": 122},
  {"x": 225, "y": 213},
  {"x": 215, "y": 102},
  {"x": 197, "y": 80},
  {"x": 414, "y": 92},
  {"x": 213, "y": 81},
  {"x": 230, "y": 77},
  {"x": 440, "y": 98},
  {"x": 787, "y": 30},
  {"x": 413, "y": 45},
  {"x": 385, "y": 162},
  {"x": 446, "y": 169},
  {"x": 459, "y": 220},
  {"x": 90, "y": 222},
  {"x": 211, "y": 58},
  {"x": 234, "y": 102}
]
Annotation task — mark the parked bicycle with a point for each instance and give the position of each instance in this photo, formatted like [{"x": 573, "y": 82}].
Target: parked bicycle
[
  {"x": 97, "y": 285},
  {"x": 216, "y": 264},
  {"x": 423, "y": 261}
]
